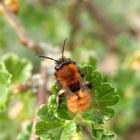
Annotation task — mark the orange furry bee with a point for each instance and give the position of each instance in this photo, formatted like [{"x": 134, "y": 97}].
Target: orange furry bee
[{"x": 70, "y": 79}]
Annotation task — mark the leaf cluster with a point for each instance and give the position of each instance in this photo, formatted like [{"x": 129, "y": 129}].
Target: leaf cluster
[
  {"x": 59, "y": 124},
  {"x": 13, "y": 70}
]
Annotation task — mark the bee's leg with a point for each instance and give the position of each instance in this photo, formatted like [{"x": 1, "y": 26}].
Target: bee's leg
[
  {"x": 89, "y": 85},
  {"x": 59, "y": 98},
  {"x": 58, "y": 84},
  {"x": 82, "y": 73}
]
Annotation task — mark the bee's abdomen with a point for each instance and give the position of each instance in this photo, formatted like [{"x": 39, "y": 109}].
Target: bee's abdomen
[
  {"x": 78, "y": 102},
  {"x": 75, "y": 87}
]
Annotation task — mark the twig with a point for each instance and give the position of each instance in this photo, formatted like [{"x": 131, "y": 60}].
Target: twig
[
  {"x": 17, "y": 26},
  {"x": 41, "y": 98}
]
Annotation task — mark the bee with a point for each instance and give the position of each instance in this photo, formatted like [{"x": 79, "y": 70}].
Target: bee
[{"x": 69, "y": 77}]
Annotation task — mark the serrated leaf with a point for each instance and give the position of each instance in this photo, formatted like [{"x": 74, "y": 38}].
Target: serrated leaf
[
  {"x": 20, "y": 69},
  {"x": 54, "y": 121},
  {"x": 109, "y": 101},
  {"x": 102, "y": 133},
  {"x": 63, "y": 113},
  {"x": 108, "y": 137},
  {"x": 92, "y": 61},
  {"x": 105, "y": 89},
  {"x": 50, "y": 112},
  {"x": 44, "y": 129},
  {"x": 98, "y": 133},
  {"x": 97, "y": 79},
  {"x": 70, "y": 127},
  {"x": 5, "y": 76},
  {"x": 54, "y": 88},
  {"x": 108, "y": 111},
  {"x": 107, "y": 95},
  {"x": 55, "y": 130},
  {"x": 87, "y": 70},
  {"x": 5, "y": 79},
  {"x": 3, "y": 96},
  {"x": 52, "y": 100},
  {"x": 45, "y": 113}
]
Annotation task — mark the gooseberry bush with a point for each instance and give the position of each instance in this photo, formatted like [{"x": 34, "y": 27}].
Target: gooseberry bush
[{"x": 58, "y": 123}]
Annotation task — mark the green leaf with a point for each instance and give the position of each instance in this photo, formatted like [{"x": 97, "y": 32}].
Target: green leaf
[
  {"x": 68, "y": 131},
  {"x": 5, "y": 76},
  {"x": 26, "y": 135},
  {"x": 63, "y": 113},
  {"x": 56, "y": 121},
  {"x": 45, "y": 129},
  {"x": 50, "y": 112},
  {"x": 52, "y": 100},
  {"x": 102, "y": 133},
  {"x": 105, "y": 89},
  {"x": 107, "y": 111},
  {"x": 87, "y": 70},
  {"x": 97, "y": 79},
  {"x": 19, "y": 68},
  {"x": 45, "y": 113},
  {"x": 109, "y": 102},
  {"x": 92, "y": 76},
  {"x": 92, "y": 61},
  {"x": 55, "y": 130},
  {"x": 107, "y": 95},
  {"x": 98, "y": 133},
  {"x": 54, "y": 88},
  {"x": 5, "y": 80}
]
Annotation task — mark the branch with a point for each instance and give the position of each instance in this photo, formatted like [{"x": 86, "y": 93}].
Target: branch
[
  {"x": 41, "y": 98},
  {"x": 17, "y": 26}
]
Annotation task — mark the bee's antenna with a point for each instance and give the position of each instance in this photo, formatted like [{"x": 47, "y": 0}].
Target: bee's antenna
[
  {"x": 63, "y": 48},
  {"x": 48, "y": 58}
]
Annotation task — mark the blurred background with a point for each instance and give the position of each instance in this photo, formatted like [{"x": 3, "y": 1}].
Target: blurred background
[{"x": 105, "y": 34}]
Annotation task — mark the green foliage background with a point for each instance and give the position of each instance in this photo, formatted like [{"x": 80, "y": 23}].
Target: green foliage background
[{"x": 50, "y": 24}]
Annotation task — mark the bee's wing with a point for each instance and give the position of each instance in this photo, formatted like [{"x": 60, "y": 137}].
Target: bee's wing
[
  {"x": 74, "y": 103},
  {"x": 84, "y": 86}
]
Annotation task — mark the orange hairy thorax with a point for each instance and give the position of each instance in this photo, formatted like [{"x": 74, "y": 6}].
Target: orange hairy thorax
[
  {"x": 78, "y": 102},
  {"x": 68, "y": 74}
]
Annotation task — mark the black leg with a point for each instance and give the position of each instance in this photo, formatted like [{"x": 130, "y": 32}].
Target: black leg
[
  {"x": 58, "y": 84},
  {"x": 82, "y": 73},
  {"x": 89, "y": 85}
]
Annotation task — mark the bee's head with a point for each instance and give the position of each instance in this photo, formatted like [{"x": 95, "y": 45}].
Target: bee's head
[{"x": 61, "y": 61}]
